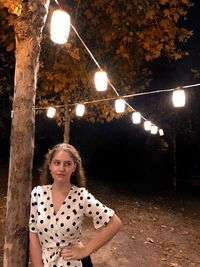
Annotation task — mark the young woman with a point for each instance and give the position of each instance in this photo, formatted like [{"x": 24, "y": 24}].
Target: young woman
[{"x": 58, "y": 210}]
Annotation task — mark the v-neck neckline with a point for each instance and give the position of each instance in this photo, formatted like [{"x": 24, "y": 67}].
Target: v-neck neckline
[{"x": 64, "y": 201}]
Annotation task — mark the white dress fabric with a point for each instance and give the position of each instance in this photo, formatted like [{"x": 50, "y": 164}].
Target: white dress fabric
[{"x": 64, "y": 228}]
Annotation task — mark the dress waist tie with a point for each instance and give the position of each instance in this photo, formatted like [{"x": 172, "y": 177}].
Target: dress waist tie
[{"x": 51, "y": 254}]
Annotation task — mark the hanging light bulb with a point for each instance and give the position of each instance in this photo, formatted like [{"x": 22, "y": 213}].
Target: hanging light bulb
[
  {"x": 161, "y": 132},
  {"x": 60, "y": 26},
  {"x": 80, "y": 109},
  {"x": 51, "y": 112},
  {"x": 178, "y": 98},
  {"x": 154, "y": 129},
  {"x": 136, "y": 117},
  {"x": 101, "y": 80},
  {"x": 147, "y": 125},
  {"x": 119, "y": 105}
]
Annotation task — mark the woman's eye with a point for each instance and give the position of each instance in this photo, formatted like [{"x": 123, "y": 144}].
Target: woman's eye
[
  {"x": 67, "y": 164},
  {"x": 56, "y": 162}
]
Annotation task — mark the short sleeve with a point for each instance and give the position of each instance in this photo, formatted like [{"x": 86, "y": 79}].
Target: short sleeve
[
  {"x": 33, "y": 211},
  {"x": 100, "y": 213}
]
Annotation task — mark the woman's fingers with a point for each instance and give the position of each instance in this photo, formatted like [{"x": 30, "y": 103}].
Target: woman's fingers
[
  {"x": 67, "y": 253},
  {"x": 72, "y": 252}
]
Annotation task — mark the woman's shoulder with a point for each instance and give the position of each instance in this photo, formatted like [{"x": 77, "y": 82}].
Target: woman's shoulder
[
  {"x": 41, "y": 189},
  {"x": 82, "y": 192},
  {"x": 79, "y": 190}
]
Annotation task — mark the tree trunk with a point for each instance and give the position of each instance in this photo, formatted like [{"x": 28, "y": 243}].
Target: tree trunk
[
  {"x": 175, "y": 163},
  {"x": 28, "y": 30},
  {"x": 66, "y": 126}
]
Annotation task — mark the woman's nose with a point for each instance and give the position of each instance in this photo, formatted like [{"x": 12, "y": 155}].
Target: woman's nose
[{"x": 62, "y": 167}]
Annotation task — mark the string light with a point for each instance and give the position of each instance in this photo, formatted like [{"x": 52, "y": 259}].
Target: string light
[
  {"x": 101, "y": 81},
  {"x": 154, "y": 129},
  {"x": 80, "y": 109},
  {"x": 124, "y": 96},
  {"x": 136, "y": 117},
  {"x": 178, "y": 98},
  {"x": 60, "y": 26},
  {"x": 51, "y": 112},
  {"x": 60, "y": 35},
  {"x": 147, "y": 125},
  {"x": 161, "y": 132},
  {"x": 119, "y": 105}
]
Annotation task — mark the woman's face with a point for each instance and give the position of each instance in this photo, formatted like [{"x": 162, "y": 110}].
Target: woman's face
[{"x": 62, "y": 166}]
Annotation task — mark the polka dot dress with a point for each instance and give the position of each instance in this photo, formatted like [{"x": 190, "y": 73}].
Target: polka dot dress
[{"x": 64, "y": 228}]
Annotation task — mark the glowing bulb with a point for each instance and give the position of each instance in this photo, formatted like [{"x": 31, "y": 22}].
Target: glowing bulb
[
  {"x": 136, "y": 117},
  {"x": 147, "y": 125},
  {"x": 101, "y": 81},
  {"x": 161, "y": 132},
  {"x": 154, "y": 129},
  {"x": 119, "y": 105},
  {"x": 178, "y": 98},
  {"x": 60, "y": 26},
  {"x": 51, "y": 112},
  {"x": 80, "y": 109}
]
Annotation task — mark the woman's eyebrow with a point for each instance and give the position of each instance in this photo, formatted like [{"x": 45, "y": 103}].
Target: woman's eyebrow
[{"x": 65, "y": 161}]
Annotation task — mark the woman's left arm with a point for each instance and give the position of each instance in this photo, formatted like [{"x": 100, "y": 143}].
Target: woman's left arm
[{"x": 103, "y": 236}]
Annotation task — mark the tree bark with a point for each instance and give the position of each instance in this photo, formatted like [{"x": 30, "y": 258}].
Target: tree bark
[
  {"x": 66, "y": 126},
  {"x": 28, "y": 30}
]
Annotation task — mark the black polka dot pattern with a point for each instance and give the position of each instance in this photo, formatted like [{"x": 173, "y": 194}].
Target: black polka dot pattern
[{"x": 64, "y": 228}]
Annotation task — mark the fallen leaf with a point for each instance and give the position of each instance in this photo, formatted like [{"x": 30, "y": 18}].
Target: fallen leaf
[
  {"x": 172, "y": 264},
  {"x": 149, "y": 240}
]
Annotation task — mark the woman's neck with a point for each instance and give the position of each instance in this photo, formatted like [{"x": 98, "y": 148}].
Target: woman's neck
[{"x": 62, "y": 188}]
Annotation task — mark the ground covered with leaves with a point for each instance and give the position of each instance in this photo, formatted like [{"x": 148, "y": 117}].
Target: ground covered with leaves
[{"x": 160, "y": 229}]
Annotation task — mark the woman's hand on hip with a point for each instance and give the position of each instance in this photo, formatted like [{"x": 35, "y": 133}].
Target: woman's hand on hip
[{"x": 74, "y": 252}]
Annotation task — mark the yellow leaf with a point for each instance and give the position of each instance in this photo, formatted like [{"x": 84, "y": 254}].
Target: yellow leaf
[
  {"x": 75, "y": 54},
  {"x": 176, "y": 17},
  {"x": 164, "y": 23},
  {"x": 148, "y": 58},
  {"x": 177, "y": 56},
  {"x": 187, "y": 2},
  {"x": 150, "y": 14},
  {"x": 163, "y": 2},
  {"x": 16, "y": 10},
  {"x": 166, "y": 13},
  {"x": 146, "y": 45}
]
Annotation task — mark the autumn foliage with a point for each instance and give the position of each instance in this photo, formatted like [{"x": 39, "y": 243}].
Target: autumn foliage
[{"x": 124, "y": 37}]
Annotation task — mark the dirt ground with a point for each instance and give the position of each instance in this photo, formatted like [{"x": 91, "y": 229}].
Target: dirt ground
[{"x": 159, "y": 229}]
